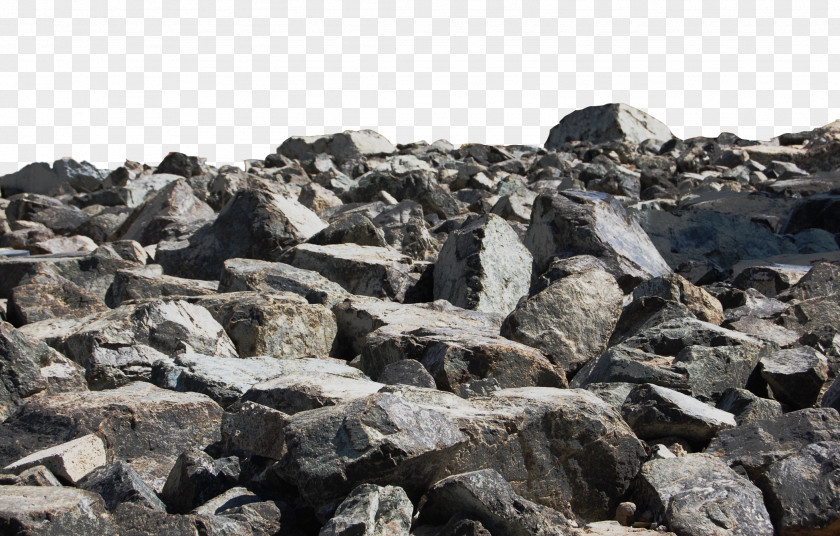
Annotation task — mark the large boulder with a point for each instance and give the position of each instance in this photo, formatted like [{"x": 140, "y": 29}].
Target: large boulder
[
  {"x": 371, "y": 510},
  {"x": 795, "y": 375},
  {"x": 483, "y": 266},
  {"x": 53, "y": 510},
  {"x": 609, "y": 122},
  {"x": 148, "y": 281},
  {"x": 574, "y": 223},
  {"x": 347, "y": 145},
  {"x": 36, "y": 178}
]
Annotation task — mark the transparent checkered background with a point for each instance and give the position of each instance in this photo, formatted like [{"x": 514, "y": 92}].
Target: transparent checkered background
[{"x": 106, "y": 80}]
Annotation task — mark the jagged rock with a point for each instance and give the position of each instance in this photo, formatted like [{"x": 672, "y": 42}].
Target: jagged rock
[
  {"x": 317, "y": 198},
  {"x": 757, "y": 445},
  {"x": 698, "y": 495},
  {"x": 573, "y": 223},
  {"x": 420, "y": 186},
  {"x": 255, "y": 223},
  {"x": 821, "y": 281},
  {"x": 118, "y": 483},
  {"x": 769, "y": 280},
  {"x": 353, "y": 228},
  {"x": 176, "y": 201},
  {"x": 53, "y": 510},
  {"x": 277, "y": 324},
  {"x": 107, "y": 368},
  {"x": 802, "y": 491},
  {"x": 256, "y": 428},
  {"x": 613, "y": 393},
  {"x": 796, "y": 375},
  {"x": 570, "y": 321},
  {"x": 371, "y": 510},
  {"x": 35, "y": 302},
  {"x": 195, "y": 478},
  {"x": 483, "y": 266},
  {"x": 817, "y": 211},
  {"x": 653, "y": 412},
  {"x": 70, "y": 461},
  {"x": 170, "y": 327},
  {"x": 407, "y": 372},
  {"x": 485, "y": 496},
  {"x": 135, "y": 520},
  {"x": 250, "y": 274},
  {"x": 516, "y": 206},
  {"x": 36, "y": 178},
  {"x": 817, "y": 321},
  {"x": 347, "y": 145},
  {"x": 831, "y": 397},
  {"x": 363, "y": 270},
  {"x": 141, "y": 423},
  {"x": 63, "y": 244},
  {"x": 765, "y": 330},
  {"x": 249, "y": 510},
  {"x": 149, "y": 281},
  {"x": 83, "y": 177},
  {"x": 180, "y": 164},
  {"x": 747, "y": 407},
  {"x": 608, "y": 122}
]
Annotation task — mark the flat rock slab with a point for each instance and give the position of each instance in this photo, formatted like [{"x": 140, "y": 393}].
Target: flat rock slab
[
  {"x": 70, "y": 461},
  {"x": 53, "y": 510}
]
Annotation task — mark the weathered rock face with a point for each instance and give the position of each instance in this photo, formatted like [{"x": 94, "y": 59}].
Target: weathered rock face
[
  {"x": 371, "y": 509},
  {"x": 53, "y": 510},
  {"x": 35, "y": 178},
  {"x": 145, "y": 282},
  {"x": 69, "y": 461},
  {"x": 347, "y": 145},
  {"x": 118, "y": 483},
  {"x": 574, "y": 223},
  {"x": 570, "y": 321},
  {"x": 195, "y": 478},
  {"x": 607, "y": 123},
  {"x": 796, "y": 376},
  {"x": 483, "y": 266},
  {"x": 35, "y": 302}
]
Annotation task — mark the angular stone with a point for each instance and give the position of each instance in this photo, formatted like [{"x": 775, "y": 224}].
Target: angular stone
[
  {"x": 698, "y": 495},
  {"x": 419, "y": 186},
  {"x": 83, "y": 177},
  {"x": 70, "y": 461},
  {"x": 347, "y": 145},
  {"x": 135, "y": 520},
  {"x": 249, "y": 511},
  {"x": 180, "y": 164},
  {"x": 36, "y": 178},
  {"x": 35, "y": 302},
  {"x": 62, "y": 245},
  {"x": 147, "y": 282},
  {"x": 747, "y": 407},
  {"x": 592, "y": 223},
  {"x": 483, "y": 266},
  {"x": 352, "y": 228},
  {"x": 106, "y": 368},
  {"x": 250, "y": 274},
  {"x": 822, "y": 280},
  {"x": 371, "y": 510},
  {"x": 608, "y": 122},
  {"x": 195, "y": 478},
  {"x": 53, "y": 510},
  {"x": 485, "y": 496},
  {"x": 407, "y": 372},
  {"x": 769, "y": 280},
  {"x": 796, "y": 375},
  {"x": 570, "y": 321},
  {"x": 831, "y": 397},
  {"x": 61, "y": 218},
  {"x": 516, "y": 206},
  {"x": 256, "y": 428},
  {"x": 118, "y": 483}
]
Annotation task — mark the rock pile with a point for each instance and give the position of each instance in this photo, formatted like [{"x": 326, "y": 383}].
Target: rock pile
[{"x": 621, "y": 332}]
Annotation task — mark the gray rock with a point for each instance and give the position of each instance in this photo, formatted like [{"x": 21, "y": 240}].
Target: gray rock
[
  {"x": 419, "y": 186},
  {"x": 148, "y": 281},
  {"x": 817, "y": 211},
  {"x": 248, "y": 510},
  {"x": 34, "y": 302},
  {"x": 770, "y": 280},
  {"x": 35, "y": 178},
  {"x": 483, "y": 266},
  {"x": 134, "y": 520},
  {"x": 107, "y": 368},
  {"x": 516, "y": 206},
  {"x": 371, "y": 510},
  {"x": 608, "y": 122},
  {"x": 407, "y": 372},
  {"x": 256, "y": 428},
  {"x": 654, "y": 412},
  {"x": 802, "y": 491},
  {"x": 61, "y": 218},
  {"x": 251, "y": 274},
  {"x": 353, "y": 228},
  {"x": 747, "y": 407},
  {"x": 613, "y": 393},
  {"x": 796, "y": 375},
  {"x": 195, "y": 478},
  {"x": 83, "y": 177},
  {"x": 573, "y": 223},
  {"x": 118, "y": 483},
  {"x": 699, "y": 495},
  {"x": 347, "y": 145},
  {"x": 831, "y": 397},
  {"x": 53, "y": 510},
  {"x": 822, "y": 280},
  {"x": 180, "y": 164},
  {"x": 570, "y": 321},
  {"x": 485, "y": 496}
]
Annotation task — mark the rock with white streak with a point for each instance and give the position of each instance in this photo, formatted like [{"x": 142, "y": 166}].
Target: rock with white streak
[{"x": 371, "y": 510}]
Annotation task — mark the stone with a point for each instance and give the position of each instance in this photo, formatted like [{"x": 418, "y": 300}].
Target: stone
[
  {"x": 36, "y": 178},
  {"x": 107, "y": 368},
  {"x": 371, "y": 510},
  {"x": 407, "y": 372},
  {"x": 822, "y": 280},
  {"x": 256, "y": 428},
  {"x": 654, "y": 412},
  {"x": 698, "y": 495},
  {"x": 608, "y": 122},
  {"x": 63, "y": 244},
  {"x": 83, "y": 177},
  {"x": 317, "y": 198},
  {"x": 135, "y": 520},
  {"x": 58, "y": 217},
  {"x": 180, "y": 164},
  {"x": 831, "y": 397},
  {"x": 817, "y": 211},
  {"x": 70, "y": 461},
  {"x": 515, "y": 206},
  {"x": 795, "y": 375},
  {"x": 352, "y": 228},
  {"x": 118, "y": 483},
  {"x": 53, "y": 510},
  {"x": 801, "y": 490},
  {"x": 250, "y": 274},
  {"x": 485, "y": 496},
  {"x": 347, "y": 145},
  {"x": 483, "y": 266},
  {"x": 249, "y": 511},
  {"x": 418, "y": 185},
  {"x": 570, "y": 321},
  {"x": 195, "y": 478},
  {"x": 148, "y": 282},
  {"x": 769, "y": 280},
  {"x": 35, "y": 302},
  {"x": 573, "y": 223},
  {"x": 747, "y": 407},
  {"x": 363, "y": 270}
]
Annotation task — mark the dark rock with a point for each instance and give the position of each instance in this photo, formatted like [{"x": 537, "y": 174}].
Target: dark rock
[
  {"x": 420, "y": 186},
  {"x": 769, "y": 280},
  {"x": 83, "y": 177},
  {"x": 821, "y": 281},
  {"x": 609, "y": 122},
  {"x": 196, "y": 478},
  {"x": 36, "y": 178},
  {"x": 407, "y": 372},
  {"x": 135, "y": 520},
  {"x": 831, "y": 397},
  {"x": 796, "y": 375},
  {"x": 747, "y": 407},
  {"x": 248, "y": 512},
  {"x": 353, "y": 229},
  {"x": 55, "y": 215},
  {"x": 118, "y": 483},
  {"x": 53, "y": 510},
  {"x": 371, "y": 509},
  {"x": 107, "y": 368},
  {"x": 817, "y": 211},
  {"x": 180, "y": 164},
  {"x": 256, "y": 428}
]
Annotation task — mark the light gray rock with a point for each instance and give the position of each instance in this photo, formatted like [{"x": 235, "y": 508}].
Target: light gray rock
[
  {"x": 347, "y": 145},
  {"x": 371, "y": 510},
  {"x": 140, "y": 188},
  {"x": 107, "y": 368},
  {"x": 407, "y": 372},
  {"x": 747, "y": 407},
  {"x": 483, "y": 266},
  {"x": 70, "y": 461},
  {"x": 53, "y": 510},
  {"x": 570, "y": 321},
  {"x": 608, "y": 122}
]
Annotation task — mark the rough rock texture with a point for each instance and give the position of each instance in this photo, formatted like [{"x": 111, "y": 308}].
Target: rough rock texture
[
  {"x": 483, "y": 266},
  {"x": 118, "y": 483},
  {"x": 53, "y": 510},
  {"x": 371, "y": 510},
  {"x": 796, "y": 376},
  {"x": 69, "y": 461},
  {"x": 607, "y": 123}
]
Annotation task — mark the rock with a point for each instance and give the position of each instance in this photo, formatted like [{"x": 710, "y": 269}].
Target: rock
[
  {"x": 170, "y": 327},
  {"x": 769, "y": 280},
  {"x": 250, "y": 274},
  {"x": 55, "y": 215},
  {"x": 817, "y": 211},
  {"x": 515, "y": 206},
  {"x": 255, "y": 223},
  {"x": 196, "y": 478},
  {"x": 249, "y": 510},
  {"x": 673, "y": 287},
  {"x": 573, "y": 223},
  {"x": 699, "y": 495},
  {"x": 277, "y": 324},
  {"x": 419, "y": 186},
  {"x": 180, "y": 164},
  {"x": 485, "y": 496},
  {"x": 83, "y": 177},
  {"x": 118, "y": 483},
  {"x": 747, "y": 407},
  {"x": 608, "y": 122},
  {"x": 796, "y": 375},
  {"x": 106, "y": 368},
  {"x": 381, "y": 439},
  {"x": 653, "y": 412},
  {"x": 35, "y": 302},
  {"x": 53, "y": 510},
  {"x": 36, "y": 178},
  {"x": 70, "y": 461},
  {"x": 822, "y": 280},
  {"x": 483, "y": 266},
  {"x": 317, "y": 198},
  {"x": 801, "y": 490},
  {"x": 613, "y": 528},
  {"x": 353, "y": 228},
  {"x": 371, "y": 510},
  {"x": 63, "y": 244},
  {"x": 570, "y": 321},
  {"x": 362, "y": 270},
  {"x": 147, "y": 282},
  {"x": 256, "y": 428},
  {"x": 140, "y": 423},
  {"x": 831, "y": 397},
  {"x": 407, "y": 372},
  {"x": 347, "y": 145},
  {"x": 757, "y": 445},
  {"x": 134, "y": 520}
]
